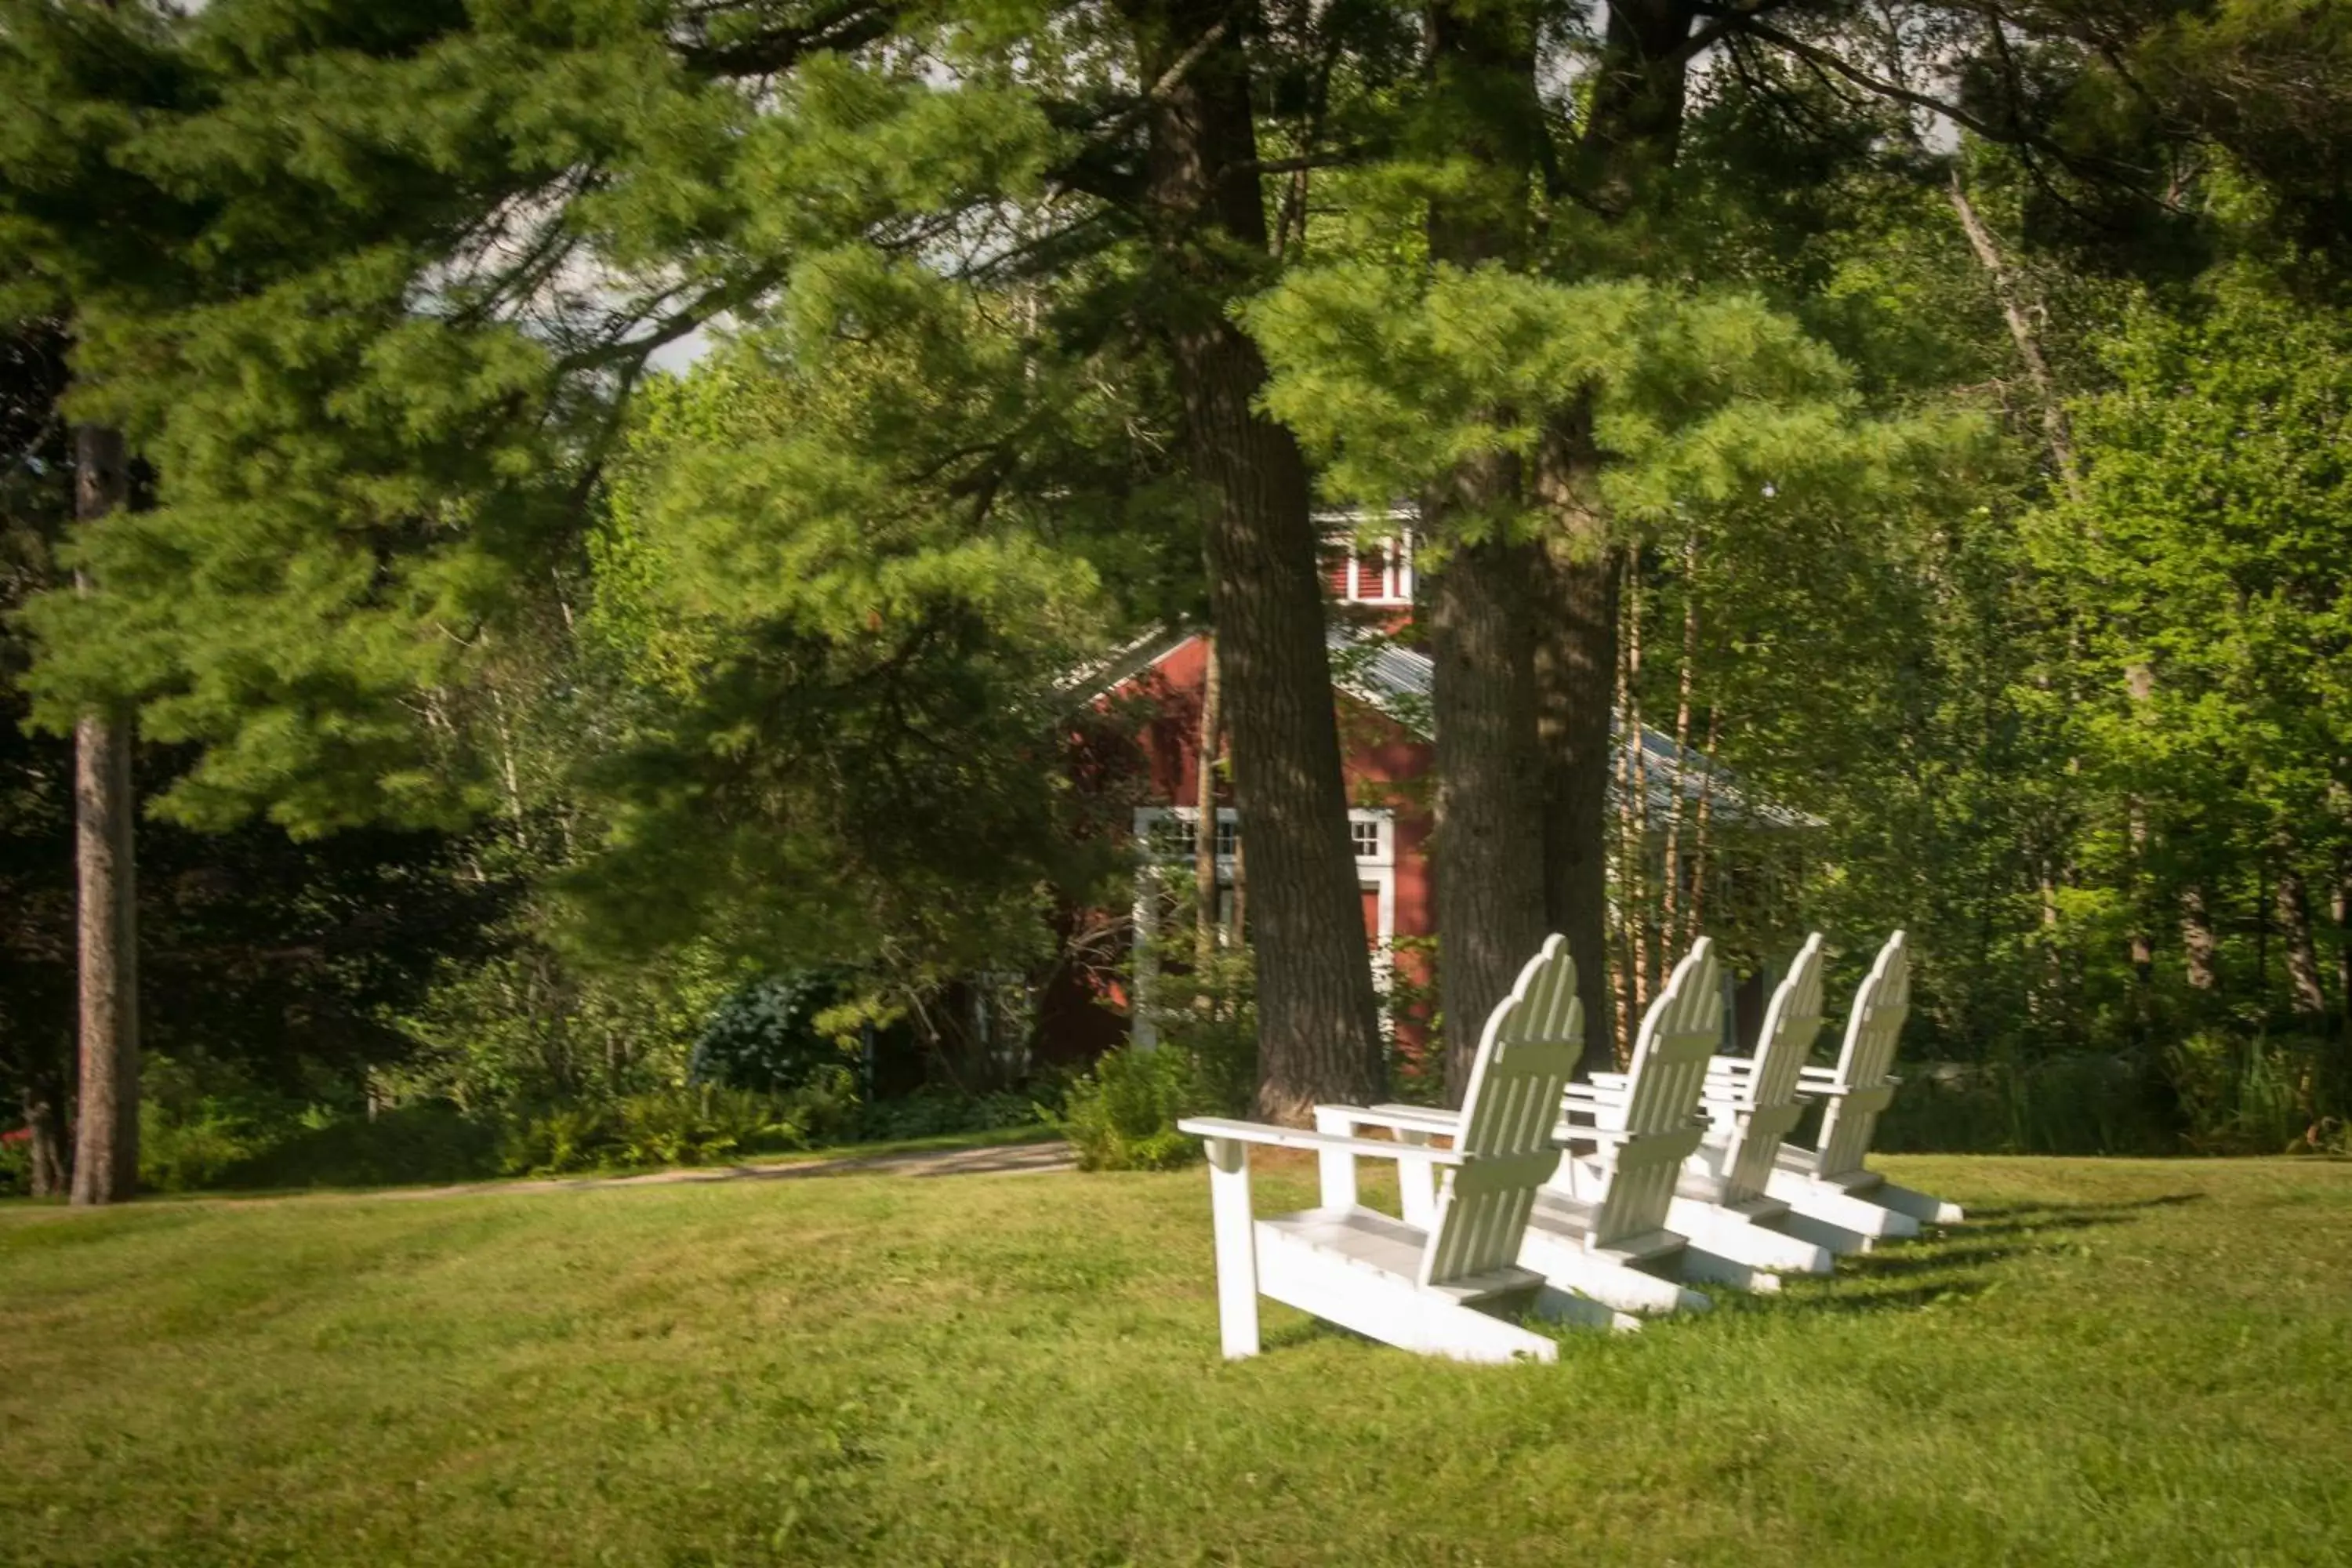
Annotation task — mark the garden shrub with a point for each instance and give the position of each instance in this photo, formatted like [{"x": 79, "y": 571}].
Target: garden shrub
[
  {"x": 1121, "y": 1116},
  {"x": 933, "y": 1112},
  {"x": 697, "y": 1125},
  {"x": 765, "y": 1038},
  {"x": 188, "y": 1144},
  {"x": 15, "y": 1166},
  {"x": 2257, "y": 1094},
  {"x": 428, "y": 1142}
]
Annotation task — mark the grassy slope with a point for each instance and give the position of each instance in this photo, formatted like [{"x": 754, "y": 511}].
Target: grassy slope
[{"x": 2126, "y": 1362}]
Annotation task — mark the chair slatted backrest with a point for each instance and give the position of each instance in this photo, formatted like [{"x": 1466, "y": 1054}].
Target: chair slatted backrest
[
  {"x": 1526, "y": 1056},
  {"x": 1879, "y": 1009},
  {"x": 1790, "y": 1023},
  {"x": 1678, "y": 1037}
]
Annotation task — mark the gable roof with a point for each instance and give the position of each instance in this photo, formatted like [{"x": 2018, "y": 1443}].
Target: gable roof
[{"x": 1400, "y": 681}]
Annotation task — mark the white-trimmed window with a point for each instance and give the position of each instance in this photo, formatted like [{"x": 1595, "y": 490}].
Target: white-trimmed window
[
  {"x": 1376, "y": 573},
  {"x": 1166, "y": 832},
  {"x": 1164, "y": 838}
]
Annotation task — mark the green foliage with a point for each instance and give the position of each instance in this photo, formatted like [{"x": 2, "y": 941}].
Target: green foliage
[
  {"x": 836, "y": 748},
  {"x": 693, "y": 1126},
  {"x": 1121, "y": 1115},
  {"x": 2256, "y": 1095},
  {"x": 2205, "y": 552},
  {"x": 1394, "y": 376},
  {"x": 528, "y": 1025},
  {"x": 765, "y": 1036},
  {"x": 428, "y": 1144},
  {"x": 934, "y": 1111},
  {"x": 1202, "y": 1006}
]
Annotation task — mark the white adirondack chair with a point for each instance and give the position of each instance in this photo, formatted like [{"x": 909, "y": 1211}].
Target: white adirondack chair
[
  {"x": 1446, "y": 1287},
  {"x": 1603, "y": 1225},
  {"x": 1829, "y": 1182},
  {"x": 1751, "y": 1103},
  {"x": 1599, "y": 1225}
]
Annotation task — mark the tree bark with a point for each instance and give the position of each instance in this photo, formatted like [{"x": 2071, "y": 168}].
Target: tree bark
[
  {"x": 2341, "y": 908},
  {"x": 1705, "y": 815},
  {"x": 1317, "y": 1032},
  {"x": 2292, "y": 903},
  {"x": 1633, "y": 119},
  {"x": 1490, "y": 903},
  {"x": 1636, "y": 868},
  {"x": 2018, "y": 312},
  {"x": 1671, "y": 911},
  {"x": 2197, "y": 945},
  {"x": 52, "y": 1173},
  {"x": 1576, "y": 679},
  {"x": 1489, "y": 893},
  {"x": 106, "y": 1154},
  {"x": 1632, "y": 128},
  {"x": 1204, "y": 826}
]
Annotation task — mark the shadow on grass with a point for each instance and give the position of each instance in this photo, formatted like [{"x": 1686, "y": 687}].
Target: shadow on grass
[
  {"x": 1951, "y": 1263},
  {"x": 2096, "y": 1213}
]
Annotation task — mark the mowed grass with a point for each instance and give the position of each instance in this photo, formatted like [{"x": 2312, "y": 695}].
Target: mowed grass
[{"x": 2112, "y": 1362}]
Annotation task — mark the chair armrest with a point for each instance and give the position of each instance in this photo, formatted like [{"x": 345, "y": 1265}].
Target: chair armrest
[
  {"x": 1429, "y": 1119},
  {"x": 1305, "y": 1137}
]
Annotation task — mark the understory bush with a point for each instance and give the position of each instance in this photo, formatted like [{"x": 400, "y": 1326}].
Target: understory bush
[
  {"x": 1121, "y": 1116},
  {"x": 938, "y": 1113},
  {"x": 764, "y": 1037},
  {"x": 2213, "y": 1093},
  {"x": 15, "y": 1165},
  {"x": 429, "y": 1142},
  {"x": 692, "y": 1126}
]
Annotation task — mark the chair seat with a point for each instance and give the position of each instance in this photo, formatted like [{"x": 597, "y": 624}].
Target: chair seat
[
  {"x": 1567, "y": 1216},
  {"x": 1386, "y": 1244}
]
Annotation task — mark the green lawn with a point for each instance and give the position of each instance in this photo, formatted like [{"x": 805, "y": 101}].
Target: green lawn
[{"x": 2132, "y": 1362}]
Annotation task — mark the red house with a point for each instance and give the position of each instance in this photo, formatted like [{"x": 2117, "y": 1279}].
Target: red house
[
  {"x": 1382, "y": 688},
  {"x": 1383, "y": 692}
]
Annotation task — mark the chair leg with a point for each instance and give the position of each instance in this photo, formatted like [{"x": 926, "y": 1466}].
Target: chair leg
[
  {"x": 1924, "y": 1207},
  {"x": 1229, "y": 1209},
  {"x": 1701, "y": 1267},
  {"x": 1554, "y": 1305}
]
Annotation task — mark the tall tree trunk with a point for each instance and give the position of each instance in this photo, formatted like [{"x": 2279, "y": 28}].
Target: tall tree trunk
[
  {"x": 1705, "y": 814},
  {"x": 1633, "y": 127},
  {"x": 1576, "y": 679},
  {"x": 106, "y": 1153},
  {"x": 1489, "y": 802},
  {"x": 1490, "y": 893},
  {"x": 1627, "y": 901},
  {"x": 1204, "y": 826},
  {"x": 2197, "y": 945},
  {"x": 44, "y": 1105},
  {"x": 2340, "y": 906},
  {"x": 2017, "y": 311},
  {"x": 1671, "y": 901},
  {"x": 2143, "y": 945},
  {"x": 1636, "y": 870},
  {"x": 1317, "y": 1032},
  {"x": 2292, "y": 903}
]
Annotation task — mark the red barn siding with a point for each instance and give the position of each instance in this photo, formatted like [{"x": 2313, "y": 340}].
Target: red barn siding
[{"x": 1385, "y": 767}]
